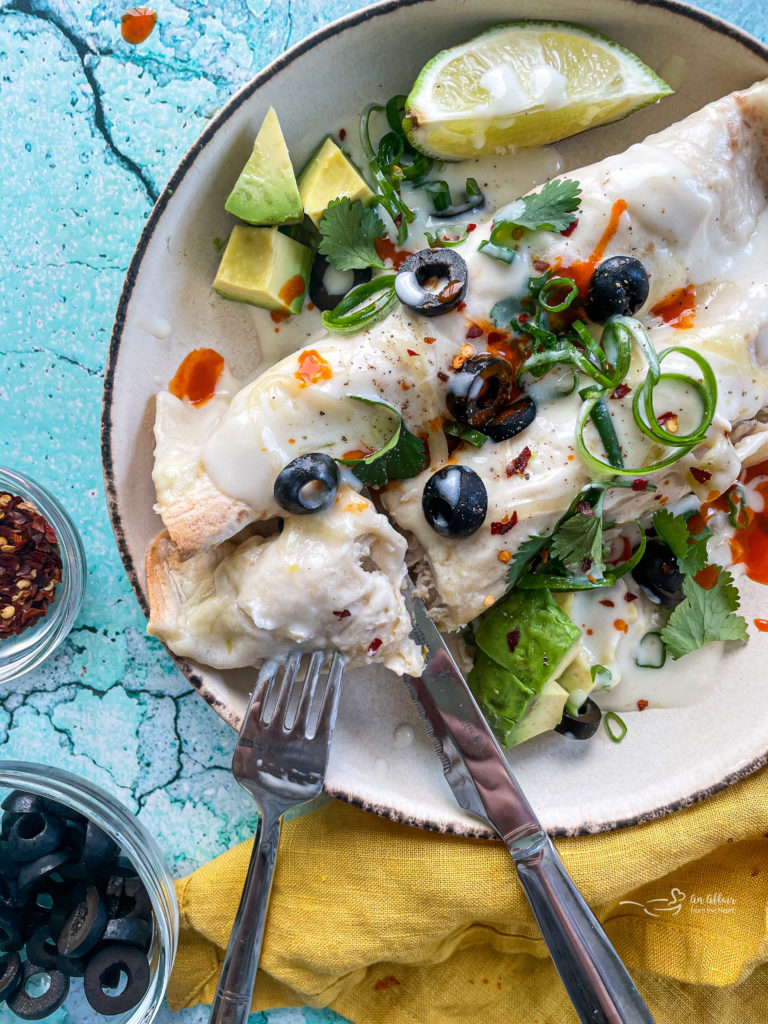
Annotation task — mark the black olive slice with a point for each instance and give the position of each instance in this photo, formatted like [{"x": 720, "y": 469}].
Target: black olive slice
[
  {"x": 432, "y": 265},
  {"x": 482, "y": 388},
  {"x": 308, "y": 484},
  {"x": 136, "y": 901},
  {"x": 512, "y": 420},
  {"x": 34, "y": 872},
  {"x": 72, "y": 966},
  {"x": 101, "y": 974},
  {"x": 33, "y": 835},
  {"x": 98, "y": 849},
  {"x": 11, "y": 930},
  {"x": 10, "y": 975},
  {"x": 322, "y": 296},
  {"x": 658, "y": 573},
  {"x": 18, "y": 802},
  {"x": 41, "y": 947},
  {"x": 84, "y": 926},
  {"x": 130, "y": 931},
  {"x": 37, "y": 1007},
  {"x": 112, "y": 895},
  {"x": 619, "y": 286},
  {"x": 583, "y": 725},
  {"x": 455, "y": 501},
  {"x": 68, "y": 814}
]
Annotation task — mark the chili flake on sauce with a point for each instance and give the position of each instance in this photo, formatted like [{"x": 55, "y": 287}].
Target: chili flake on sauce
[
  {"x": 136, "y": 24},
  {"x": 30, "y": 565}
]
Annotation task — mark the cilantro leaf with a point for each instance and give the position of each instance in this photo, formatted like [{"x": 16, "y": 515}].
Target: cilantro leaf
[
  {"x": 704, "y": 616},
  {"x": 348, "y": 231},
  {"x": 400, "y": 458},
  {"x": 524, "y": 555},
  {"x": 580, "y": 540},
  {"x": 690, "y": 550},
  {"x": 550, "y": 209}
]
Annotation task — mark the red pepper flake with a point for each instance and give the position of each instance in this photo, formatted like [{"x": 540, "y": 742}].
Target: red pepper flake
[
  {"x": 461, "y": 307},
  {"x": 666, "y": 417},
  {"x": 473, "y": 331},
  {"x": 523, "y": 318},
  {"x": 398, "y": 220},
  {"x": 471, "y": 228},
  {"x": 585, "y": 508},
  {"x": 343, "y": 614},
  {"x": 30, "y": 565},
  {"x": 430, "y": 341},
  {"x": 136, "y": 24},
  {"x": 540, "y": 266},
  {"x": 700, "y": 475},
  {"x": 497, "y": 337},
  {"x": 586, "y": 565},
  {"x": 442, "y": 376},
  {"x": 642, "y": 705},
  {"x": 607, "y": 603},
  {"x": 621, "y": 391},
  {"x": 639, "y": 485},
  {"x": 519, "y": 465},
  {"x": 411, "y": 352},
  {"x": 383, "y": 983},
  {"x": 570, "y": 229},
  {"x": 374, "y": 645},
  {"x": 629, "y": 597},
  {"x": 513, "y": 639},
  {"x": 342, "y": 134},
  {"x": 505, "y": 525}
]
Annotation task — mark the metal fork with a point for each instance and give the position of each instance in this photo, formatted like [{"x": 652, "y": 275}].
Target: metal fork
[{"x": 280, "y": 758}]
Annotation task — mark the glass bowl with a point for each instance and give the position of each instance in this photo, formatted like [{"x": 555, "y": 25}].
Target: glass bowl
[
  {"x": 140, "y": 848},
  {"x": 26, "y": 651}
]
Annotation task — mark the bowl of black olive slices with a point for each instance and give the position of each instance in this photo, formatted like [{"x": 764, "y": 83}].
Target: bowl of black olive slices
[{"x": 88, "y": 913}]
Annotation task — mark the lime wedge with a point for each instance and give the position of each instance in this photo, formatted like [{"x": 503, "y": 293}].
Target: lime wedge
[{"x": 522, "y": 84}]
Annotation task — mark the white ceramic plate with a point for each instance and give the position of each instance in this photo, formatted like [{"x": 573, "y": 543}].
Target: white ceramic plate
[{"x": 381, "y": 757}]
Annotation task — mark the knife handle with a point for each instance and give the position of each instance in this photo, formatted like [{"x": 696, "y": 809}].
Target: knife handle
[{"x": 596, "y": 980}]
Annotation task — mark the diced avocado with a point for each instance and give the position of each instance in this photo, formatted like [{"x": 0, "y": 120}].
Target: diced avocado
[
  {"x": 524, "y": 643},
  {"x": 266, "y": 191},
  {"x": 264, "y": 267},
  {"x": 330, "y": 175},
  {"x": 543, "y": 713}
]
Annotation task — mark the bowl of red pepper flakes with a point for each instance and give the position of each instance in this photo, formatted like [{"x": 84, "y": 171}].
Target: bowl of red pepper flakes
[{"x": 42, "y": 574}]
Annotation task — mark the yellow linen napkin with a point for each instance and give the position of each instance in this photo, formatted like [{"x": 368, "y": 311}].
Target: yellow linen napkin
[{"x": 388, "y": 924}]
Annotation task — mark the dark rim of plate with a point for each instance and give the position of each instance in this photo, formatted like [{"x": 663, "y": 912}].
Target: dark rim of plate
[{"x": 350, "y": 21}]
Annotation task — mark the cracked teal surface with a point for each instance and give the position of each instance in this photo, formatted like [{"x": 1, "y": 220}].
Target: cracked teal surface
[{"x": 90, "y": 130}]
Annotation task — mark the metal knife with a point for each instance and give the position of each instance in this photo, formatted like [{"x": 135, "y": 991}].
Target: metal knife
[{"x": 479, "y": 774}]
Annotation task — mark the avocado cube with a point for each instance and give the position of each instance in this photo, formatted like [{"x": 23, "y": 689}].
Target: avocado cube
[
  {"x": 524, "y": 643},
  {"x": 330, "y": 175},
  {"x": 264, "y": 267},
  {"x": 266, "y": 191}
]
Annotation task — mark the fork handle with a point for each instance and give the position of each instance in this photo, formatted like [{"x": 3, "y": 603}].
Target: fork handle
[
  {"x": 232, "y": 1002},
  {"x": 598, "y": 983}
]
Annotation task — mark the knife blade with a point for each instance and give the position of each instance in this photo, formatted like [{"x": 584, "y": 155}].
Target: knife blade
[{"x": 597, "y": 982}]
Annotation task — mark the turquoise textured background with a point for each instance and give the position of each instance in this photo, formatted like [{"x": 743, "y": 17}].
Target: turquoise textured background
[{"x": 90, "y": 129}]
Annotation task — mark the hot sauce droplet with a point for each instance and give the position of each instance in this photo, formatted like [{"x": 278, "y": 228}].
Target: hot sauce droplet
[
  {"x": 762, "y": 625},
  {"x": 581, "y": 272},
  {"x": 136, "y": 24},
  {"x": 292, "y": 289},
  {"x": 678, "y": 309},
  {"x": 386, "y": 250},
  {"x": 197, "y": 377}
]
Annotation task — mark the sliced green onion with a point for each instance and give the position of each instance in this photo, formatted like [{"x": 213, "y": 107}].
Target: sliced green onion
[
  {"x": 395, "y": 112},
  {"x": 390, "y": 150},
  {"x": 552, "y": 287},
  {"x": 609, "y": 719},
  {"x": 498, "y": 252},
  {"x": 468, "y": 434},
  {"x": 642, "y": 403},
  {"x": 439, "y": 193},
  {"x": 388, "y": 197},
  {"x": 602, "y": 671},
  {"x": 607, "y": 432},
  {"x": 597, "y": 467},
  {"x": 435, "y": 242},
  {"x": 737, "y": 513},
  {"x": 651, "y": 652},
  {"x": 347, "y": 318}
]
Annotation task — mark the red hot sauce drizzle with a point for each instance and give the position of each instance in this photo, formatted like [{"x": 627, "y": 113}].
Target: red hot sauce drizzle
[{"x": 198, "y": 375}]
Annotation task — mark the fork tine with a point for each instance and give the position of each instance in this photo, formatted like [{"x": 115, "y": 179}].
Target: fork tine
[
  {"x": 330, "y": 705},
  {"x": 310, "y": 685},
  {"x": 290, "y": 672},
  {"x": 264, "y": 682}
]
